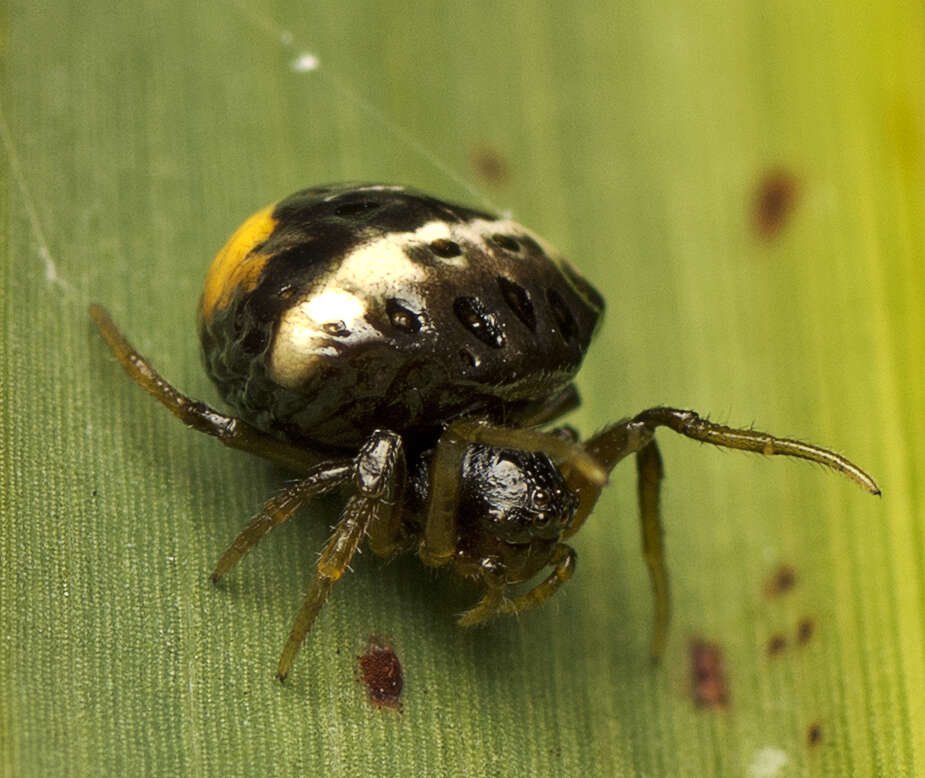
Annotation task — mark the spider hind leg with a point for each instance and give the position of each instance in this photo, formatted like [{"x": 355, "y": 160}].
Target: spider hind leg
[{"x": 230, "y": 431}]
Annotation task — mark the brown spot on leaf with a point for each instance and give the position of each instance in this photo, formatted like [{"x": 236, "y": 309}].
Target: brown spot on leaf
[
  {"x": 491, "y": 166},
  {"x": 814, "y": 734},
  {"x": 805, "y": 629},
  {"x": 708, "y": 675},
  {"x": 776, "y": 644},
  {"x": 781, "y": 581},
  {"x": 774, "y": 201},
  {"x": 381, "y": 671}
]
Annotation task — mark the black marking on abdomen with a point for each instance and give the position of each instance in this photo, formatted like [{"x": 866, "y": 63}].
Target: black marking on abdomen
[{"x": 479, "y": 321}]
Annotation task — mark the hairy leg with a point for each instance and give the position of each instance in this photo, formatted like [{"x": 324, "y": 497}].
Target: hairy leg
[
  {"x": 280, "y": 508},
  {"x": 494, "y": 603},
  {"x": 378, "y": 476},
  {"x": 635, "y": 436},
  {"x": 334, "y": 560},
  {"x": 230, "y": 431},
  {"x": 486, "y": 608},
  {"x": 691, "y": 425},
  {"x": 563, "y": 562}
]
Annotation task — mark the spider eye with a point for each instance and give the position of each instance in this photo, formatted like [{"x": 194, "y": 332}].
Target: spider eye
[{"x": 541, "y": 499}]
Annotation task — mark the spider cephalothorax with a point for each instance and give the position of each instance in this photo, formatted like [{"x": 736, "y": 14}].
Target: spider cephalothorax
[{"x": 411, "y": 352}]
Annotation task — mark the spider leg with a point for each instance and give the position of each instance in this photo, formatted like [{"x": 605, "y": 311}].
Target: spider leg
[
  {"x": 608, "y": 447},
  {"x": 649, "y": 474},
  {"x": 493, "y": 602},
  {"x": 230, "y": 431},
  {"x": 439, "y": 540},
  {"x": 563, "y": 561},
  {"x": 635, "y": 436},
  {"x": 691, "y": 425},
  {"x": 486, "y": 608},
  {"x": 384, "y": 478},
  {"x": 280, "y": 508},
  {"x": 378, "y": 473},
  {"x": 333, "y": 562}
]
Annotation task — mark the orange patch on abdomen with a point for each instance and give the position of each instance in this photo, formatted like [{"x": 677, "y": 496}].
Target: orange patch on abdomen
[{"x": 236, "y": 267}]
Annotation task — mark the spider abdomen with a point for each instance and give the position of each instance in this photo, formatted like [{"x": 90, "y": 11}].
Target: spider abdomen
[{"x": 344, "y": 309}]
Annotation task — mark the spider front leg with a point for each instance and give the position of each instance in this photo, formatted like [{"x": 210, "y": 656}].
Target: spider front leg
[
  {"x": 378, "y": 480},
  {"x": 492, "y": 575},
  {"x": 635, "y": 436},
  {"x": 563, "y": 562},
  {"x": 439, "y": 541},
  {"x": 691, "y": 425}
]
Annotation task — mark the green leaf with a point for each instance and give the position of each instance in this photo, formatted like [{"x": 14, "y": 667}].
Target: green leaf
[{"x": 134, "y": 138}]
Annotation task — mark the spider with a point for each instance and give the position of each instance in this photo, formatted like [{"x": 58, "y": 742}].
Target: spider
[{"x": 413, "y": 353}]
